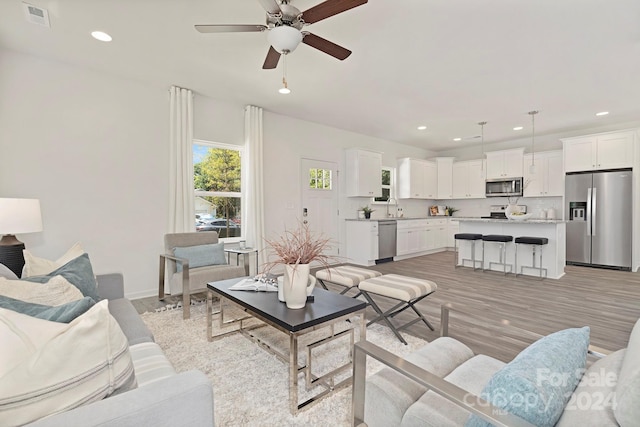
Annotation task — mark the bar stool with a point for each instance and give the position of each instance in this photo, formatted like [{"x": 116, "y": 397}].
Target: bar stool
[
  {"x": 534, "y": 242},
  {"x": 472, "y": 237},
  {"x": 501, "y": 239}
]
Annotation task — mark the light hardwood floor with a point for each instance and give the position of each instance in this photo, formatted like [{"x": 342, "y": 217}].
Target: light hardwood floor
[{"x": 607, "y": 301}]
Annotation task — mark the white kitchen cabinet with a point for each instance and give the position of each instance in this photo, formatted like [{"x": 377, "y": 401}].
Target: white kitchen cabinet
[
  {"x": 363, "y": 168},
  {"x": 445, "y": 177},
  {"x": 452, "y": 229},
  {"x": 548, "y": 179},
  {"x": 505, "y": 163},
  {"x": 417, "y": 179},
  {"x": 601, "y": 151},
  {"x": 468, "y": 180},
  {"x": 362, "y": 242},
  {"x": 436, "y": 236}
]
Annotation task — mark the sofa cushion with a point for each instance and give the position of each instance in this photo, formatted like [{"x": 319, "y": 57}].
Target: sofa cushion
[
  {"x": 53, "y": 291},
  {"x": 130, "y": 321},
  {"x": 201, "y": 255},
  {"x": 150, "y": 363},
  {"x": 64, "y": 313},
  {"x": 35, "y": 266},
  {"x": 78, "y": 272},
  {"x": 537, "y": 384},
  {"x": 627, "y": 410},
  {"x": 6, "y": 273},
  {"x": 592, "y": 402},
  {"x": 53, "y": 367},
  {"x": 434, "y": 410},
  {"x": 389, "y": 394}
]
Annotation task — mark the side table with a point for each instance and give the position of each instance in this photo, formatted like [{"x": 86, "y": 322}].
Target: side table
[{"x": 246, "y": 253}]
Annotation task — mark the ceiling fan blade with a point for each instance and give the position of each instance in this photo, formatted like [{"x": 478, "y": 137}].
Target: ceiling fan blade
[
  {"x": 329, "y": 8},
  {"x": 230, "y": 28},
  {"x": 325, "y": 46},
  {"x": 271, "y": 6},
  {"x": 271, "y": 61}
]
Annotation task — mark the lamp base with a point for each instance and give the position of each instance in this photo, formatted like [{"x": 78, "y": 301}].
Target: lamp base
[{"x": 11, "y": 253}]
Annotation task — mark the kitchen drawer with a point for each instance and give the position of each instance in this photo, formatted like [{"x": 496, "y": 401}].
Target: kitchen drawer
[{"x": 412, "y": 223}]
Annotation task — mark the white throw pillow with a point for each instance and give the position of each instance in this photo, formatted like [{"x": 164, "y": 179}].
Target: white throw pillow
[
  {"x": 34, "y": 266},
  {"x": 49, "y": 367},
  {"x": 56, "y": 291}
]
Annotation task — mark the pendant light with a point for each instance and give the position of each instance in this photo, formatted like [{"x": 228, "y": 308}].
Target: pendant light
[
  {"x": 482, "y": 142},
  {"x": 285, "y": 88},
  {"x": 532, "y": 168}
]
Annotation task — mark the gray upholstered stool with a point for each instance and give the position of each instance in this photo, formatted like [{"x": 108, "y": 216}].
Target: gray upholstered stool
[
  {"x": 407, "y": 290},
  {"x": 345, "y": 275},
  {"x": 471, "y": 237},
  {"x": 534, "y": 242},
  {"x": 501, "y": 239}
]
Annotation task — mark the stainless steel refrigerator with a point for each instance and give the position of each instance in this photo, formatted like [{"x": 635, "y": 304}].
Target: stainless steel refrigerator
[{"x": 599, "y": 207}]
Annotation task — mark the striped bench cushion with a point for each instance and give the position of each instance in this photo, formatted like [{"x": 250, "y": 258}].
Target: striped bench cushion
[
  {"x": 346, "y": 275},
  {"x": 150, "y": 363},
  {"x": 398, "y": 287}
]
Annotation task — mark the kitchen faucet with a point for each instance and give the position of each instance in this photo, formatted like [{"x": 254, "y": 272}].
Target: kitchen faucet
[{"x": 395, "y": 204}]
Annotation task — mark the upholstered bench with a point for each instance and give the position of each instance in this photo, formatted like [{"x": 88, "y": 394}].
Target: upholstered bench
[
  {"x": 345, "y": 275},
  {"x": 407, "y": 290}
]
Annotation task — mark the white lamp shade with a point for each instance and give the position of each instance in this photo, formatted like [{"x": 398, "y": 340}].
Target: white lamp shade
[
  {"x": 284, "y": 38},
  {"x": 19, "y": 216}
]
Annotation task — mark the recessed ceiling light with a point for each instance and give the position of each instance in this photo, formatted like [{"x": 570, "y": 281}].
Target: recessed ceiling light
[
  {"x": 457, "y": 139},
  {"x": 602, "y": 113},
  {"x": 422, "y": 127},
  {"x": 518, "y": 128},
  {"x": 103, "y": 37}
]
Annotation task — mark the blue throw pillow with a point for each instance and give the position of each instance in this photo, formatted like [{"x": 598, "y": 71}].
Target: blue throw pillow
[
  {"x": 78, "y": 272},
  {"x": 201, "y": 255},
  {"x": 64, "y": 313},
  {"x": 538, "y": 383}
]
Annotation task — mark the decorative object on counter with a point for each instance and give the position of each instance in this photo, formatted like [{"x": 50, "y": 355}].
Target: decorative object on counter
[
  {"x": 450, "y": 210},
  {"x": 532, "y": 167},
  {"x": 438, "y": 210},
  {"x": 433, "y": 210},
  {"x": 360, "y": 214},
  {"x": 517, "y": 212},
  {"x": 296, "y": 249},
  {"x": 367, "y": 211}
]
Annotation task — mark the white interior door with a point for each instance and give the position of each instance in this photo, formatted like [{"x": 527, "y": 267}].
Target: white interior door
[{"x": 320, "y": 199}]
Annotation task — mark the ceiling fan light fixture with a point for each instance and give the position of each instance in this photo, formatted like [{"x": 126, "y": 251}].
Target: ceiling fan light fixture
[
  {"x": 284, "y": 38},
  {"x": 284, "y": 89}
]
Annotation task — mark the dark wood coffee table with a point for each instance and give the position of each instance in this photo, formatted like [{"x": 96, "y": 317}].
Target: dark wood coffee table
[{"x": 327, "y": 309}]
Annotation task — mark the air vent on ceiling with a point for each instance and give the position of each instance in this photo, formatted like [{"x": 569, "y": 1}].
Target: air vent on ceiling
[{"x": 36, "y": 15}]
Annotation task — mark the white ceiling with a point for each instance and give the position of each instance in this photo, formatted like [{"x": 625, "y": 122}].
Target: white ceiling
[{"x": 447, "y": 64}]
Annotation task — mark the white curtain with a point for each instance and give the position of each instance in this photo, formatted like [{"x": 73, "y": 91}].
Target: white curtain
[
  {"x": 253, "y": 208},
  {"x": 181, "y": 197}
]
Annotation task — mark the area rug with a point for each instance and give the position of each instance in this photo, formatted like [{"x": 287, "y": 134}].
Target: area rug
[{"x": 250, "y": 384}]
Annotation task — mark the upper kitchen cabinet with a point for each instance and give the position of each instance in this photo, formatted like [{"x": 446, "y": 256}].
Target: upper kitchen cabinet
[
  {"x": 505, "y": 163},
  {"x": 417, "y": 179},
  {"x": 548, "y": 178},
  {"x": 468, "y": 180},
  {"x": 445, "y": 177},
  {"x": 601, "y": 151},
  {"x": 363, "y": 168}
]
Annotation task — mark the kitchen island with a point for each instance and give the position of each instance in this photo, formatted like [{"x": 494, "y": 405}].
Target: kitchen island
[{"x": 553, "y": 253}]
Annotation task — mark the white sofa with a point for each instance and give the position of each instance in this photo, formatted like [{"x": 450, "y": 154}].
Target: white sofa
[{"x": 440, "y": 384}]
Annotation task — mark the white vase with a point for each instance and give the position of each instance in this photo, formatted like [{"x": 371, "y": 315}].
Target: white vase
[{"x": 298, "y": 283}]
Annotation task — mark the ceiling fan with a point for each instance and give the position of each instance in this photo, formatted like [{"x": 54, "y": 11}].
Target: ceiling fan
[{"x": 284, "y": 26}]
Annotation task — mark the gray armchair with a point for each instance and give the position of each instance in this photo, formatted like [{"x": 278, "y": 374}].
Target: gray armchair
[{"x": 190, "y": 279}]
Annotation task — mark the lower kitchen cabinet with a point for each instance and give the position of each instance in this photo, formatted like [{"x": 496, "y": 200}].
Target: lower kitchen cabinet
[
  {"x": 420, "y": 236},
  {"x": 362, "y": 242}
]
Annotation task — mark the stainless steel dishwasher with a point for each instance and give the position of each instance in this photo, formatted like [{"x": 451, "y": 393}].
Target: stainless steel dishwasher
[{"x": 386, "y": 240}]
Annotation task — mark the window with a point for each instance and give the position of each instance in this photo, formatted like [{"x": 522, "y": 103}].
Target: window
[
  {"x": 217, "y": 183},
  {"x": 320, "y": 179},
  {"x": 387, "y": 182}
]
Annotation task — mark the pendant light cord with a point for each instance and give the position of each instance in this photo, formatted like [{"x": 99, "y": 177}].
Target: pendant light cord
[
  {"x": 533, "y": 136},
  {"x": 482, "y": 142}
]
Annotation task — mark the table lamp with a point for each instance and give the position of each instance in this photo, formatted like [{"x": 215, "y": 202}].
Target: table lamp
[{"x": 17, "y": 216}]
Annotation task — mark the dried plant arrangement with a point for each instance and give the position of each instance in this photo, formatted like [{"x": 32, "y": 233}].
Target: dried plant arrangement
[{"x": 298, "y": 246}]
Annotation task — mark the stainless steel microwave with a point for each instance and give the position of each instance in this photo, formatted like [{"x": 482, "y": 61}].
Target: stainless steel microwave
[{"x": 503, "y": 187}]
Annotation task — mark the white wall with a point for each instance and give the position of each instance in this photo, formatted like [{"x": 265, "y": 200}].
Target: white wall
[
  {"x": 287, "y": 140},
  {"x": 94, "y": 149}
]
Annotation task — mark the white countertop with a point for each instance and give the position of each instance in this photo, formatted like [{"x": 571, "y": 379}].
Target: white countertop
[
  {"x": 400, "y": 219},
  {"x": 512, "y": 221}
]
